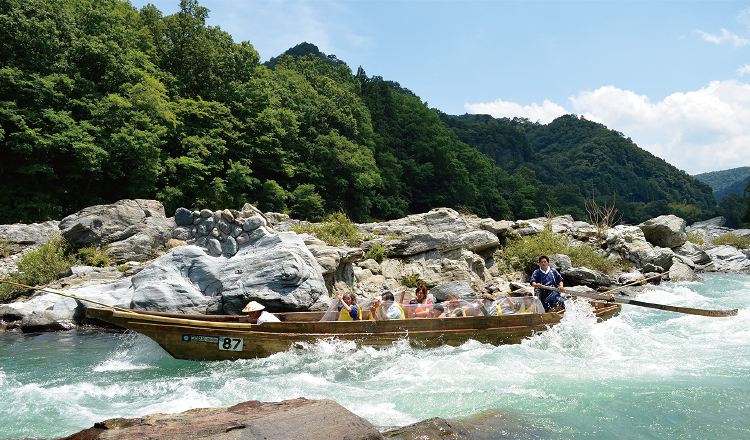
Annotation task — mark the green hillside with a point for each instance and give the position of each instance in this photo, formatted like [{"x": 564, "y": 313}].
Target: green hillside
[
  {"x": 581, "y": 159},
  {"x": 726, "y": 182},
  {"x": 100, "y": 102}
]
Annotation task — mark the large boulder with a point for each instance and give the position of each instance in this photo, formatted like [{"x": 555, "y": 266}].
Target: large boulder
[
  {"x": 679, "y": 271},
  {"x": 277, "y": 271},
  {"x": 458, "y": 289},
  {"x": 132, "y": 229},
  {"x": 19, "y": 236},
  {"x": 291, "y": 419},
  {"x": 630, "y": 243},
  {"x": 665, "y": 231},
  {"x": 727, "y": 258},
  {"x": 585, "y": 276},
  {"x": 694, "y": 252},
  {"x": 419, "y": 243}
]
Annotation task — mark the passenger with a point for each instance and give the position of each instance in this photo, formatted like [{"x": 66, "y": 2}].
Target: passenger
[
  {"x": 255, "y": 312},
  {"x": 348, "y": 309},
  {"x": 490, "y": 303},
  {"x": 454, "y": 308},
  {"x": 411, "y": 309},
  {"x": 422, "y": 310},
  {"x": 547, "y": 276},
  {"x": 386, "y": 308},
  {"x": 525, "y": 304},
  {"x": 438, "y": 311}
]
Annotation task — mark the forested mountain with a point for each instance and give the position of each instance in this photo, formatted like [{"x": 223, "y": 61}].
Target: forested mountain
[
  {"x": 581, "y": 159},
  {"x": 100, "y": 102},
  {"x": 727, "y": 181}
]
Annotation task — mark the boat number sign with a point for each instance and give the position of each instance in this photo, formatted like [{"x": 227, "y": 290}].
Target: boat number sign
[{"x": 229, "y": 344}]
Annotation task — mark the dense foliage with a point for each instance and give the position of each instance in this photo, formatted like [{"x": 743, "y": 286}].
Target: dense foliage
[
  {"x": 100, "y": 102},
  {"x": 579, "y": 159}
]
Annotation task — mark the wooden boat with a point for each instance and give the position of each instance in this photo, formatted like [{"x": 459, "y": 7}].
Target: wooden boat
[{"x": 224, "y": 337}]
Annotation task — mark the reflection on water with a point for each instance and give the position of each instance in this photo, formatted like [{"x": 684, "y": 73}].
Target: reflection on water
[{"x": 644, "y": 374}]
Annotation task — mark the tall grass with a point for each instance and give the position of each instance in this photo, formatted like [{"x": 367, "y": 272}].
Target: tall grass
[
  {"x": 336, "y": 230},
  {"x": 734, "y": 240},
  {"x": 523, "y": 253}
]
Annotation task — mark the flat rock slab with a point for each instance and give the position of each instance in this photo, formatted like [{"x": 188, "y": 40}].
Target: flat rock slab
[{"x": 291, "y": 419}]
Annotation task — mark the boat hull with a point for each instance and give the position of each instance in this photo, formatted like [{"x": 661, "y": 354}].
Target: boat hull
[{"x": 200, "y": 337}]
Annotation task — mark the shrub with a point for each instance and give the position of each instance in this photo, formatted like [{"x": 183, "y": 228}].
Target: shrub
[
  {"x": 376, "y": 252},
  {"x": 412, "y": 280},
  {"x": 123, "y": 268},
  {"x": 40, "y": 267},
  {"x": 734, "y": 240},
  {"x": 6, "y": 248},
  {"x": 92, "y": 256},
  {"x": 523, "y": 253},
  {"x": 692, "y": 237},
  {"x": 336, "y": 230}
]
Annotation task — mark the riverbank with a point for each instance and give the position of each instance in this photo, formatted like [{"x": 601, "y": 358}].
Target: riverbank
[{"x": 240, "y": 256}]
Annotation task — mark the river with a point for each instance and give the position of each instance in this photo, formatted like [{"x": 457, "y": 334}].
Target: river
[{"x": 645, "y": 374}]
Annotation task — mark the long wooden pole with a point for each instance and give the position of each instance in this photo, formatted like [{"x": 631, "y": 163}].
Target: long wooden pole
[
  {"x": 637, "y": 282},
  {"x": 627, "y": 300},
  {"x": 65, "y": 295}
]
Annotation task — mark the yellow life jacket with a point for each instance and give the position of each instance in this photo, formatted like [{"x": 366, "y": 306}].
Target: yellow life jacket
[{"x": 345, "y": 316}]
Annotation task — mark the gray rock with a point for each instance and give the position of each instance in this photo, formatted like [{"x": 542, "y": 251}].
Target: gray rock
[
  {"x": 371, "y": 265},
  {"x": 230, "y": 246},
  {"x": 458, "y": 289},
  {"x": 206, "y": 226},
  {"x": 694, "y": 252},
  {"x": 253, "y": 223},
  {"x": 45, "y": 322},
  {"x": 183, "y": 217},
  {"x": 716, "y": 222},
  {"x": 478, "y": 240},
  {"x": 665, "y": 231},
  {"x": 181, "y": 233},
  {"x": 21, "y": 235},
  {"x": 631, "y": 278},
  {"x": 419, "y": 243},
  {"x": 291, "y": 419},
  {"x": 653, "y": 277},
  {"x": 214, "y": 247},
  {"x": 560, "y": 262},
  {"x": 207, "y": 213},
  {"x": 141, "y": 240},
  {"x": 276, "y": 270},
  {"x": 224, "y": 226},
  {"x": 585, "y": 276},
  {"x": 502, "y": 228},
  {"x": 95, "y": 225},
  {"x": 727, "y": 258},
  {"x": 682, "y": 272}
]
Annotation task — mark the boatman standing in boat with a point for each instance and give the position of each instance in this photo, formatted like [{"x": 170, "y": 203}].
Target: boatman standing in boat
[{"x": 547, "y": 276}]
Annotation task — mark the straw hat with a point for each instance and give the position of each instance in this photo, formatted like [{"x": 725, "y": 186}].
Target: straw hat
[{"x": 253, "y": 306}]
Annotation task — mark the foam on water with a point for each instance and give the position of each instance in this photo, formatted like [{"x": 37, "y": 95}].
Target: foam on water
[{"x": 643, "y": 374}]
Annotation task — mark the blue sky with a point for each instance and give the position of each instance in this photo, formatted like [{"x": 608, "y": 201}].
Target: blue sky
[{"x": 674, "y": 76}]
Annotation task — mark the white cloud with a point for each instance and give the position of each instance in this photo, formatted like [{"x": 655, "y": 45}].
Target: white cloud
[
  {"x": 698, "y": 131},
  {"x": 545, "y": 113},
  {"x": 744, "y": 69},
  {"x": 725, "y": 36}
]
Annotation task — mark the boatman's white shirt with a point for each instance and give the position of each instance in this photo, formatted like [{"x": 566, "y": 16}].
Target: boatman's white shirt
[{"x": 267, "y": 317}]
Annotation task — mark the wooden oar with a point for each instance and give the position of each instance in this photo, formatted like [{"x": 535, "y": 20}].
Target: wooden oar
[
  {"x": 627, "y": 300},
  {"x": 636, "y": 282},
  {"x": 41, "y": 289}
]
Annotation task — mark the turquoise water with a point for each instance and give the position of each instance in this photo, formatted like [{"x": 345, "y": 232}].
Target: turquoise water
[{"x": 646, "y": 374}]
